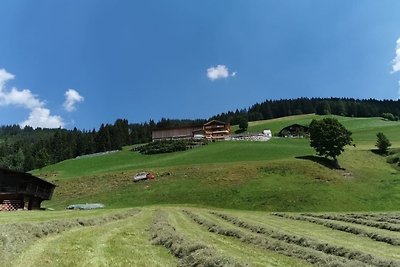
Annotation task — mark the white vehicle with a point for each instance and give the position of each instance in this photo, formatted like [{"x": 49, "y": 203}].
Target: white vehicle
[{"x": 140, "y": 176}]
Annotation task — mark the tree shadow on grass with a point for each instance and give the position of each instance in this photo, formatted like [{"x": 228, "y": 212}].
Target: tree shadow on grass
[
  {"x": 378, "y": 152},
  {"x": 321, "y": 160}
]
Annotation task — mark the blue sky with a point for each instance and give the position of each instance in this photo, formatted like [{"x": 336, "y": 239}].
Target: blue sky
[{"x": 83, "y": 63}]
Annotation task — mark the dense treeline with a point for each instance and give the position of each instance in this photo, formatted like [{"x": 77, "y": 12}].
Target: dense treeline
[
  {"x": 270, "y": 109},
  {"x": 28, "y": 148}
]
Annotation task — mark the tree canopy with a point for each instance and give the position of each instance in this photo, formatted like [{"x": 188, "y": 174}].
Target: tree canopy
[
  {"x": 329, "y": 137},
  {"x": 243, "y": 123}
]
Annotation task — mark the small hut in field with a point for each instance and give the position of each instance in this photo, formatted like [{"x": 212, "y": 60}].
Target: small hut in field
[
  {"x": 22, "y": 191},
  {"x": 294, "y": 130}
]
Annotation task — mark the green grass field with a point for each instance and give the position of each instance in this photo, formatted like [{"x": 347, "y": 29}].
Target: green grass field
[{"x": 216, "y": 204}]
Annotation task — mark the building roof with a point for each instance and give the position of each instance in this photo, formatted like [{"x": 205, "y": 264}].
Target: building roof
[
  {"x": 178, "y": 128},
  {"x": 27, "y": 175},
  {"x": 293, "y": 127},
  {"x": 214, "y": 121}
]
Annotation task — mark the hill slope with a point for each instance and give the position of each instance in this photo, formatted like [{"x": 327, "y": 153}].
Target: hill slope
[{"x": 278, "y": 175}]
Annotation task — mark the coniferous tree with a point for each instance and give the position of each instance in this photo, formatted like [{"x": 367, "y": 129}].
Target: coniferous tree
[{"x": 382, "y": 143}]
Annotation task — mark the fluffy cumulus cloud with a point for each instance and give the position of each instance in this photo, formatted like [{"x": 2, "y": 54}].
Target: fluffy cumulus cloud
[
  {"x": 71, "y": 98},
  {"x": 219, "y": 72},
  {"x": 4, "y": 77},
  {"x": 39, "y": 115},
  {"x": 396, "y": 63},
  {"x": 396, "y": 60}
]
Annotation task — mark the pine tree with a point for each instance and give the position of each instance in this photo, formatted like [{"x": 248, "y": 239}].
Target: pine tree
[{"x": 382, "y": 143}]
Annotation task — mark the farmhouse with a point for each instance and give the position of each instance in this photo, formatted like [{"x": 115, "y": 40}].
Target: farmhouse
[
  {"x": 212, "y": 130},
  {"x": 20, "y": 190},
  {"x": 294, "y": 130},
  {"x": 216, "y": 130}
]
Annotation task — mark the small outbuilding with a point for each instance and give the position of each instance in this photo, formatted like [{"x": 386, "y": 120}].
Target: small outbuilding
[
  {"x": 295, "y": 130},
  {"x": 19, "y": 190}
]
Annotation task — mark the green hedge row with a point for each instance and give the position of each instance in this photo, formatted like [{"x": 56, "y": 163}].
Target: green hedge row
[{"x": 168, "y": 146}]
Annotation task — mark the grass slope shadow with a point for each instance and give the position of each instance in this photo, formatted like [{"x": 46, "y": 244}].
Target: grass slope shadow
[{"x": 321, "y": 160}]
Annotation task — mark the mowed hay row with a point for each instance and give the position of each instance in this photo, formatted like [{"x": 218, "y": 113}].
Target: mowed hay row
[
  {"x": 392, "y": 218},
  {"x": 311, "y": 256},
  {"x": 339, "y": 251},
  {"x": 190, "y": 253},
  {"x": 345, "y": 228},
  {"x": 15, "y": 237},
  {"x": 352, "y": 219}
]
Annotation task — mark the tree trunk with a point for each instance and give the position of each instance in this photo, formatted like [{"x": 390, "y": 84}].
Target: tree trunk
[{"x": 336, "y": 163}]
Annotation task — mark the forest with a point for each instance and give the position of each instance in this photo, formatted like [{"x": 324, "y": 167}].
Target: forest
[{"x": 25, "y": 149}]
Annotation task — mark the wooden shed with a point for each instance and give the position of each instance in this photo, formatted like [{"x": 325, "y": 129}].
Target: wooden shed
[
  {"x": 19, "y": 190},
  {"x": 294, "y": 130}
]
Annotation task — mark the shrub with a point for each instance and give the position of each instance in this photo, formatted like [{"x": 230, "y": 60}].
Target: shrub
[
  {"x": 393, "y": 159},
  {"x": 168, "y": 146},
  {"x": 382, "y": 143}
]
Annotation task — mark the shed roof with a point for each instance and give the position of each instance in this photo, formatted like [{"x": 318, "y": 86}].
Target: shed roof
[
  {"x": 27, "y": 175},
  {"x": 293, "y": 127},
  {"x": 215, "y": 121}
]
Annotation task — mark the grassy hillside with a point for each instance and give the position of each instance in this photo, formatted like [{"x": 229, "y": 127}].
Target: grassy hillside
[
  {"x": 278, "y": 175},
  {"x": 364, "y": 129}
]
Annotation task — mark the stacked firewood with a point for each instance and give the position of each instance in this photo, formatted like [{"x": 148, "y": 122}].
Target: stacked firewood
[{"x": 11, "y": 205}]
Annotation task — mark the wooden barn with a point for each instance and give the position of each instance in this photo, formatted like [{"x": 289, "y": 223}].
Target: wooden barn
[
  {"x": 212, "y": 130},
  {"x": 175, "y": 133},
  {"x": 19, "y": 190},
  {"x": 294, "y": 130}
]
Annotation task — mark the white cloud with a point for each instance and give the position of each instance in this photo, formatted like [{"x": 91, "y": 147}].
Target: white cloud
[
  {"x": 23, "y": 98},
  {"x": 71, "y": 98},
  {"x": 396, "y": 63},
  {"x": 219, "y": 72},
  {"x": 398, "y": 92},
  {"x": 4, "y": 77},
  {"x": 39, "y": 116},
  {"x": 396, "y": 60}
]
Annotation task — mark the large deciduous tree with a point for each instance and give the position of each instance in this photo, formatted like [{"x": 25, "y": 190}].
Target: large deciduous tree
[{"x": 329, "y": 137}]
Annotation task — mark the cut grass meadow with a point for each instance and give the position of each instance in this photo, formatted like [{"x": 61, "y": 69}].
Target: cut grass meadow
[{"x": 172, "y": 236}]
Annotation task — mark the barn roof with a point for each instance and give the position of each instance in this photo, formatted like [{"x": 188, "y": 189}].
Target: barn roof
[
  {"x": 293, "y": 127},
  {"x": 178, "y": 128},
  {"x": 215, "y": 121},
  {"x": 27, "y": 175}
]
